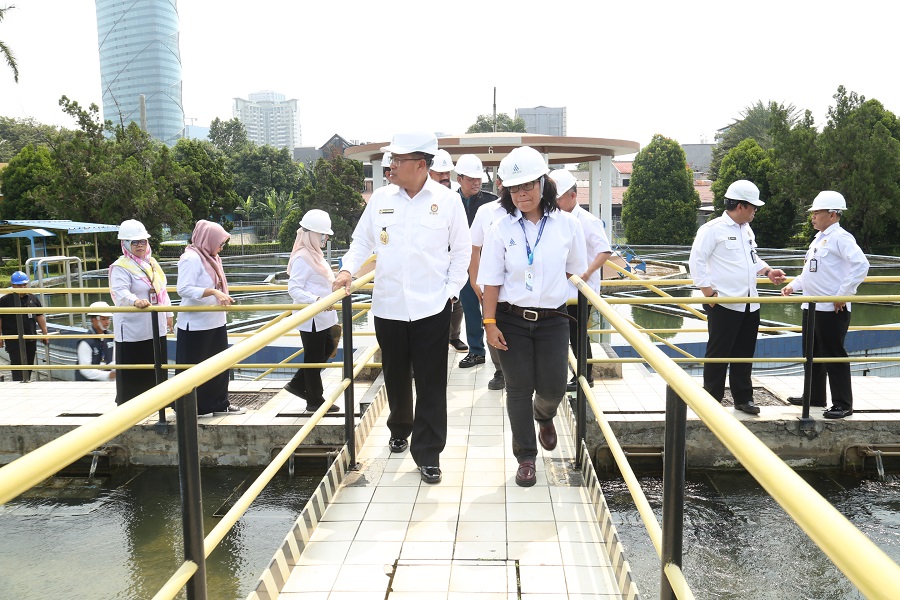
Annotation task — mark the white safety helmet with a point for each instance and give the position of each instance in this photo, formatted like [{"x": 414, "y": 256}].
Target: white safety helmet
[
  {"x": 470, "y": 166},
  {"x": 828, "y": 200},
  {"x": 99, "y": 306},
  {"x": 407, "y": 143},
  {"x": 132, "y": 229},
  {"x": 564, "y": 181},
  {"x": 317, "y": 220},
  {"x": 522, "y": 165},
  {"x": 386, "y": 161},
  {"x": 744, "y": 191},
  {"x": 443, "y": 162}
]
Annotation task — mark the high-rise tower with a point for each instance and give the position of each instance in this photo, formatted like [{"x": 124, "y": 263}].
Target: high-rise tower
[
  {"x": 138, "y": 42},
  {"x": 269, "y": 119}
]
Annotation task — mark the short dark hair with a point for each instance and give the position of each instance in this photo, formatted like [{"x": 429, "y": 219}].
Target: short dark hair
[
  {"x": 731, "y": 204},
  {"x": 429, "y": 159},
  {"x": 548, "y": 197}
]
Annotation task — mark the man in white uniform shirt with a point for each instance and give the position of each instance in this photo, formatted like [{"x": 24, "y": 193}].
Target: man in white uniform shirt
[
  {"x": 598, "y": 252},
  {"x": 724, "y": 263},
  {"x": 834, "y": 266},
  {"x": 419, "y": 233}
]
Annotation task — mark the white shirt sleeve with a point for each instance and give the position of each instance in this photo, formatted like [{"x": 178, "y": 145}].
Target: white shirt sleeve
[
  {"x": 84, "y": 358},
  {"x": 363, "y": 241},
  {"x": 859, "y": 266},
  {"x": 460, "y": 249},
  {"x": 703, "y": 246}
]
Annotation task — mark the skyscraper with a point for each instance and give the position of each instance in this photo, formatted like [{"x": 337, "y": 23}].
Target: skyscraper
[
  {"x": 138, "y": 42},
  {"x": 269, "y": 119}
]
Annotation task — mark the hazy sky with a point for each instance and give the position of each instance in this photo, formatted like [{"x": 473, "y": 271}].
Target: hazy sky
[{"x": 624, "y": 70}]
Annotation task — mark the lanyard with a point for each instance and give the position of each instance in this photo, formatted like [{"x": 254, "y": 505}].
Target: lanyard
[{"x": 528, "y": 250}]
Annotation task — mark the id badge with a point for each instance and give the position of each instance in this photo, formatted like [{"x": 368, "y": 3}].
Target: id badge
[
  {"x": 529, "y": 280},
  {"x": 753, "y": 256},
  {"x": 153, "y": 298},
  {"x": 813, "y": 265}
]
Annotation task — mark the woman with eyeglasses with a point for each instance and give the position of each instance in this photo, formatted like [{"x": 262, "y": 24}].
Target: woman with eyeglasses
[
  {"x": 201, "y": 335},
  {"x": 527, "y": 257},
  {"x": 136, "y": 279},
  {"x": 310, "y": 279}
]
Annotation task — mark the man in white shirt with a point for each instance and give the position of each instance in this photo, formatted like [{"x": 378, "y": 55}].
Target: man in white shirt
[
  {"x": 598, "y": 252},
  {"x": 419, "y": 233},
  {"x": 834, "y": 266},
  {"x": 724, "y": 263},
  {"x": 97, "y": 351}
]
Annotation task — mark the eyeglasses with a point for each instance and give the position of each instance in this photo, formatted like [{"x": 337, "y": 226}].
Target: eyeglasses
[
  {"x": 139, "y": 242},
  {"x": 395, "y": 162},
  {"x": 515, "y": 189}
]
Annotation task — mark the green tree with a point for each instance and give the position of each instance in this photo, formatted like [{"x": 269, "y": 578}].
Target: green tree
[
  {"x": 5, "y": 50},
  {"x": 660, "y": 206},
  {"x": 228, "y": 136},
  {"x": 755, "y": 122},
  {"x": 257, "y": 169},
  {"x": 796, "y": 177},
  {"x": 15, "y": 134},
  {"x": 23, "y": 180},
  {"x": 213, "y": 196},
  {"x": 485, "y": 124}
]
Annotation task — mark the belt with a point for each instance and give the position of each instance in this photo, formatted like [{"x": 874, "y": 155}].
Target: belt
[{"x": 532, "y": 314}]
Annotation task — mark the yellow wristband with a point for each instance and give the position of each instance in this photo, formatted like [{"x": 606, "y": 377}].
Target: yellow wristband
[{"x": 488, "y": 321}]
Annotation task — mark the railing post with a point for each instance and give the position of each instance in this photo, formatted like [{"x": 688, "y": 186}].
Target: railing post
[
  {"x": 191, "y": 497},
  {"x": 581, "y": 363},
  {"x": 673, "y": 489},
  {"x": 809, "y": 329},
  {"x": 349, "y": 401},
  {"x": 157, "y": 366}
]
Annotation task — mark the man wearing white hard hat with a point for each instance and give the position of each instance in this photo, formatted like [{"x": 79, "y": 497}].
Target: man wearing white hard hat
[
  {"x": 418, "y": 231},
  {"x": 469, "y": 171},
  {"x": 97, "y": 351},
  {"x": 834, "y": 266},
  {"x": 724, "y": 263},
  {"x": 598, "y": 252}
]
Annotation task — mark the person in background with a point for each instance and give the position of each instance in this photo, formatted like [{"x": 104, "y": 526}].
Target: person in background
[
  {"x": 202, "y": 335},
  {"x": 24, "y": 353},
  {"x": 97, "y": 351},
  {"x": 136, "y": 279},
  {"x": 834, "y": 266},
  {"x": 527, "y": 257},
  {"x": 598, "y": 252},
  {"x": 440, "y": 172},
  {"x": 310, "y": 279},
  {"x": 724, "y": 262}
]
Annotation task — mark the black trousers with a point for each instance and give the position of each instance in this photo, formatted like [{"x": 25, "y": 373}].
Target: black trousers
[
  {"x": 15, "y": 356},
  {"x": 419, "y": 346},
  {"x": 133, "y": 382},
  {"x": 195, "y": 347},
  {"x": 828, "y": 341},
  {"x": 572, "y": 309},
  {"x": 732, "y": 334},
  {"x": 317, "y": 347},
  {"x": 456, "y": 317}
]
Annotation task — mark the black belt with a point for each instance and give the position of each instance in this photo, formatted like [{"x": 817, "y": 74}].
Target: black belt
[{"x": 532, "y": 314}]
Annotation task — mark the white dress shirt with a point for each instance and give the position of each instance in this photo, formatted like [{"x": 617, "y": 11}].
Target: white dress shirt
[
  {"x": 193, "y": 280},
  {"x": 306, "y": 285},
  {"x": 484, "y": 217},
  {"x": 724, "y": 258},
  {"x": 415, "y": 273},
  {"x": 595, "y": 242},
  {"x": 136, "y": 326},
  {"x": 840, "y": 266},
  {"x": 504, "y": 259}
]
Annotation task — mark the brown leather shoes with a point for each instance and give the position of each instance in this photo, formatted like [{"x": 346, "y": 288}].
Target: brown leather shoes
[
  {"x": 526, "y": 475},
  {"x": 547, "y": 435}
]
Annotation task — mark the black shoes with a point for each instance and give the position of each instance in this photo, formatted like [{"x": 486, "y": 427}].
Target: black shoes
[
  {"x": 526, "y": 474},
  {"x": 547, "y": 435},
  {"x": 430, "y": 474},
  {"x": 798, "y": 401},
  {"x": 573, "y": 384},
  {"x": 295, "y": 390},
  {"x": 836, "y": 412},
  {"x": 311, "y": 408},
  {"x": 231, "y": 409},
  {"x": 398, "y": 444},
  {"x": 471, "y": 360},
  {"x": 749, "y": 408},
  {"x": 498, "y": 382},
  {"x": 458, "y": 345}
]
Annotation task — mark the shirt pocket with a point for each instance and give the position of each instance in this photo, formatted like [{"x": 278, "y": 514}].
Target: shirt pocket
[{"x": 732, "y": 244}]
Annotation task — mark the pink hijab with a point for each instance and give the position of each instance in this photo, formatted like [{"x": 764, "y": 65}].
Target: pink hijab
[
  {"x": 205, "y": 241},
  {"x": 308, "y": 246}
]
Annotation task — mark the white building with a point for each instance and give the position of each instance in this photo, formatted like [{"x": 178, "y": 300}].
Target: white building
[{"x": 269, "y": 119}]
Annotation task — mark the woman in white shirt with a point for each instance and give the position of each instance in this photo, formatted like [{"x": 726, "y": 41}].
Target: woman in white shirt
[
  {"x": 136, "y": 279},
  {"x": 310, "y": 279},
  {"x": 527, "y": 257},
  {"x": 201, "y": 335}
]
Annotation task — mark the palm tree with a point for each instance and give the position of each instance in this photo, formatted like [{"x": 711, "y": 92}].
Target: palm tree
[{"x": 6, "y": 52}]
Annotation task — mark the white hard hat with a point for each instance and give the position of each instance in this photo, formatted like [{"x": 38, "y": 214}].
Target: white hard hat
[
  {"x": 386, "y": 161},
  {"x": 745, "y": 191},
  {"x": 407, "y": 143},
  {"x": 470, "y": 166},
  {"x": 828, "y": 200},
  {"x": 133, "y": 229},
  {"x": 564, "y": 181},
  {"x": 522, "y": 165},
  {"x": 443, "y": 163},
  {"x": 99, "y": 306},
  {"x": 317, "y": 220}
]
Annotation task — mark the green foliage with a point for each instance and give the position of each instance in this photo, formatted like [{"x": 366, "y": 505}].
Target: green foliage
[
  {"x": 795, "y": 180},
  {"x": 5, "y": 50},
  {"x": 30, "y": 171},
  {"x": 211, "y": 194},
  {"x": 660, "y": 206},
  {"x": 485, "y": 124},
  {"x": 229, "y": 136},
  {"x": 257, "y": 169},
  {"x": 755, "y": 122},
  {"x": 15, "y": 134},
  {"x": 332, "y": 186}
]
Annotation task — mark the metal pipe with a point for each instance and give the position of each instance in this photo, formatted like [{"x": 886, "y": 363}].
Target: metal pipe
[
  {"x": 157, "y": 365},
  {"x": 191, "y": 496},
  {"x": 349, "y": 403},
  {"x": 673, "y": 489},
  {"x": 581, "y": 361}
]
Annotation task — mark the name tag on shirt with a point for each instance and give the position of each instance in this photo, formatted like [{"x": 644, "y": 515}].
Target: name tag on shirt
[
  {"x": 385, "y": 211},
  {"x": 814, "y": 265},
  {"x": 529, "y": 280}
]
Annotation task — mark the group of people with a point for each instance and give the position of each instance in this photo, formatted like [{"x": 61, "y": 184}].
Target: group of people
[{"x": 724, "y": 263}]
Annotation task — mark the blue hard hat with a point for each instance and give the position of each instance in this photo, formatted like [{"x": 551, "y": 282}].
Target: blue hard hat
[{"x": 19, "y": 278}]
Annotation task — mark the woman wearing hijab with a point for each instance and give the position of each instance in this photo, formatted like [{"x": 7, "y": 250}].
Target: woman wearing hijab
[
  {"x": 201, "y": 335},
  {"x": 136, "y": 279},
  {"x": 310, "y": 279}
]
